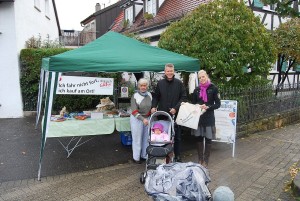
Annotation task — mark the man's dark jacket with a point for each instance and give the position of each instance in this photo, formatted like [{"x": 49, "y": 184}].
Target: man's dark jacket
[{"x": 169, "y": 94}]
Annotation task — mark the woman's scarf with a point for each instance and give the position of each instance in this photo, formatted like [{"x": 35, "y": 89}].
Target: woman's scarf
[
  {"x": 203, "y": 88},
  {"x": 143, "y": 93}
]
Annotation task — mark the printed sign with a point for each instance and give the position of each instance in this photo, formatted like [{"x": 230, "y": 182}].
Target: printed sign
[
  {"x": 226, "y": 119},
  {"x": 124, "y": 92},
  {"x": 84, "y": 85}
]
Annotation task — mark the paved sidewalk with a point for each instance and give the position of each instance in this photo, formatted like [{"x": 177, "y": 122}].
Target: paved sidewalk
[{"x": 259, "y": 171}]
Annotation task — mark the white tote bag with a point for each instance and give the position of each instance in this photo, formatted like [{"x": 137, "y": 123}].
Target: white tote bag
[{"x": 189, "y": 115}]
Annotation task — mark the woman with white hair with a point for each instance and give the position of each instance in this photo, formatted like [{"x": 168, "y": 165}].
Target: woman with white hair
[
  {"x": 140, "y": 107},
  {"x": 207, "y": 96}
]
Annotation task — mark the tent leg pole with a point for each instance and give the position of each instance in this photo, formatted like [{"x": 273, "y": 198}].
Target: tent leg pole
[
  {"x": 39, "y": 172},
  {"x": 233, "y": 149}
]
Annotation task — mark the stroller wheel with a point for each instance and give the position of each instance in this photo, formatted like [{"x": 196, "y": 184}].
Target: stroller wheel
[{"x": 143, "y": 177}]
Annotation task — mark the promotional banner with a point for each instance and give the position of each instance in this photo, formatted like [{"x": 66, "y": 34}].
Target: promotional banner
[
  {"x": 84, "y": 85},
  {"x": 226, "y": 119}
]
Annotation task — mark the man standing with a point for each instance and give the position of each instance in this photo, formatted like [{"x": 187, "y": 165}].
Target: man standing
[{"x": 168, "y": 96}]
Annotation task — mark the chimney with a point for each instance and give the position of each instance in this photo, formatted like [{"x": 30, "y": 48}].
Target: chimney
[{"x": 97, "y": 7}]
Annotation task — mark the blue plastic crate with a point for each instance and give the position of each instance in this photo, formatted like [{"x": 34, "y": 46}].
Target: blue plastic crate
[{"x": 126, "y": 138}]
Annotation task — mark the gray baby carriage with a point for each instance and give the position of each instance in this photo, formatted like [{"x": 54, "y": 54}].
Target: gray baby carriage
[
  {"x": 159, "y": 152},
  {"x": 178, "y": 181}
]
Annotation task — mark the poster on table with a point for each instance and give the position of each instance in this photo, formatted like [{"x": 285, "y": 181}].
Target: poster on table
[
  {"x": 84, "y": 85},
  {"x": 226, "y": 119}
]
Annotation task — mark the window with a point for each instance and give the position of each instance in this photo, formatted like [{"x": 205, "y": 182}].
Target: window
[
  {"x": 47, "y": 10},
  {"x": 258, "y": 4},
  {"x": 129, "y": 14},
  {"x": 151, "y": 7},
  {"x": 37, "y": 5}
]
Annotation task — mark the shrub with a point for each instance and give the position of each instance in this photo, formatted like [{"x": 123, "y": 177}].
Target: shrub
[{"x": 31, "y": 61}]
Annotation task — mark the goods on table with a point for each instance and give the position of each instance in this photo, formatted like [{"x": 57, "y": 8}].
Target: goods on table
[{"x": 105, "y": 104}]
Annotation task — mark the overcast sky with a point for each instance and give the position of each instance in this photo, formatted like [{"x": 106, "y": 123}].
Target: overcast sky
[{"x": 72, "y": 12}]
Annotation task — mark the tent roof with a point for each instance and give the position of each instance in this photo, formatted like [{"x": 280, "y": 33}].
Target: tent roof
[{"x": 114, "y": 52}]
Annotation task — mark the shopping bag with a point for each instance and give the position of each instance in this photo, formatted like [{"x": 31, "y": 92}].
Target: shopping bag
[{"x": 189, "y": 115}]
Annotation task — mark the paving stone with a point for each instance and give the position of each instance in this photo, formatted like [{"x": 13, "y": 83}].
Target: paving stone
[{"x": 257, "y": 172}]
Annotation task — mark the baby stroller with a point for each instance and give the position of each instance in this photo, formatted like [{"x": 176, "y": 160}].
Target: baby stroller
[{"x": 159, "y": 152}]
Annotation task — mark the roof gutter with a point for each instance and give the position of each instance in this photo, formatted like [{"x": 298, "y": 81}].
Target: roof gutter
[{"x": 56, "y": 17}]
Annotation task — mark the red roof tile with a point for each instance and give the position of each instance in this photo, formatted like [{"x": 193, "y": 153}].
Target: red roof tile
[
  {"x": 170, "y": 10},
  {"x": 118, "y": 22}
]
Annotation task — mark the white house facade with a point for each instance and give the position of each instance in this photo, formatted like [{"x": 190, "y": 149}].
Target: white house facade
[{"x": 20, "y": 20}]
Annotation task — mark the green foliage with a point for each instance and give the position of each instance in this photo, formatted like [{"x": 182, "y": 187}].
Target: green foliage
[
  {"x": 287, "y": 37},
  {"x": 248, "y": 98},
  {"x": 153, "y": 78},
  {"x": 125, "y": 23},
  {"x": 148, "y": 16},
  {"x": 293, "y": 171},
  {"x": 31, "y": 61},
  {"x": 225, "y": 36},
  {"x": 247, "y": 80},
  {"x": 285, "y": 8},
  {"x": 132, "y": 35},
  {"x": 75, "y": 103},
  {"x": 131, "y": 88}
]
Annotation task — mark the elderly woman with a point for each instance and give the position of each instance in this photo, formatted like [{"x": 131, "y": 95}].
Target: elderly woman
[
  {"x": 207, "y": 96},
  {"x": 140, "y": 107}
]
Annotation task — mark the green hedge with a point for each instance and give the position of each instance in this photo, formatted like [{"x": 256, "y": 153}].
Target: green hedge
[{"x": 31, "y": 61}]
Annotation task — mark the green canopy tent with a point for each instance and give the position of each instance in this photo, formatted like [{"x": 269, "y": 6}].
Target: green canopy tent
[{"x": 113, "y": 52}]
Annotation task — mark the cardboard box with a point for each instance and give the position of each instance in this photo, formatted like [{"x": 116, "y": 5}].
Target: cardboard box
[
  {"x": 96, "y": 115},
  {"x": 87, "y": 113}
]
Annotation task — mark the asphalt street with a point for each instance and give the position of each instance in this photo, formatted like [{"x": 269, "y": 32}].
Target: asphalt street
[{"x": 20, "y": 151}]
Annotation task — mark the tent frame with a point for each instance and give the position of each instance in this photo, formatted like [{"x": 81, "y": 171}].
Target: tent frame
[
  {"x": 69, "y": 147},
  {"x": 113, "y": 46}
]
